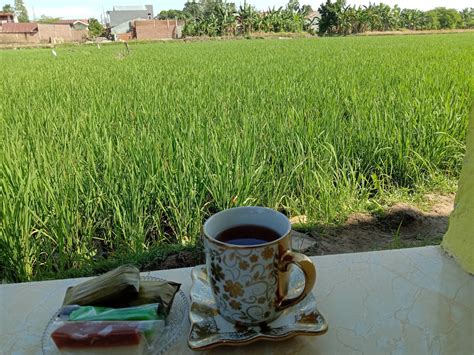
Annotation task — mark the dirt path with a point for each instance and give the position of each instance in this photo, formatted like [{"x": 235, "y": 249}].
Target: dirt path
[{"x": 401, "y": 226}]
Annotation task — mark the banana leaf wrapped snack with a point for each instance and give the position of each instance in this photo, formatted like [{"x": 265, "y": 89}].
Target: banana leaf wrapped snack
[
  {"x": 161, "y": 292},
  {"x": 116, "y": 286},
  {"x": 122, "y": 287}
]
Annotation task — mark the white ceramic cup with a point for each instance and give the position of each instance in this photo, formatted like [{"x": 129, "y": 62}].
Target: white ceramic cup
[{"x": 250, "y": 282}]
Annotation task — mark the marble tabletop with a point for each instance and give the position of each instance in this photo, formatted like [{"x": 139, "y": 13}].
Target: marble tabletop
[{"x": 407, "y": 301}]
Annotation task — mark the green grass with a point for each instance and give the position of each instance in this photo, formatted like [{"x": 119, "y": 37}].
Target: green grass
[
  {"x": 154, "y": 258},
  {"x": 104, "y": 152}
]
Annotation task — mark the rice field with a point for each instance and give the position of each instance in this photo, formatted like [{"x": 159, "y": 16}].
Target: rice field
[{"x": 107, "y": 151}]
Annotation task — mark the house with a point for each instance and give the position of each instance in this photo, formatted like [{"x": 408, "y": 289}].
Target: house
[
  {"x": 75, "y": 24},
  {"x": 14, "y": 27},
  {"x": 121, "y": 14},
  {"x": 312, "y": 19},
  {"x": 7, "y": 17},
  {"x": 12, "y": 32},
  {"x": 121, "y": 17}
]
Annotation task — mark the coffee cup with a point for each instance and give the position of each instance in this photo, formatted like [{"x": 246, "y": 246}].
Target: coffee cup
[{"x": 248, "y": 259}]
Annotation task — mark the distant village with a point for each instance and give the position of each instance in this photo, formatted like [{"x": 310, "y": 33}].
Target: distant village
[
  {"x": 225, "y": 19},
  {"x": 121, "y": 23}
]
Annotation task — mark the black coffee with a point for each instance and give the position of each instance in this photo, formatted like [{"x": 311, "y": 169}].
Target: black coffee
[{"x": 248, "y": 234}]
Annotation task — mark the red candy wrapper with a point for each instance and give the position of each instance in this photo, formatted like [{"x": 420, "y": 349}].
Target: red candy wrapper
[{"x": 96, "y": 334}]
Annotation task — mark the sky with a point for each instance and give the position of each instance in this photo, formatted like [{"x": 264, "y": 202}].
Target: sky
[{"x": 72, "y": 9}]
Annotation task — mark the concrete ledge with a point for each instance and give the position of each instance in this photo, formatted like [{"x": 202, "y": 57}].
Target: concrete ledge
[{"x": 406, "y": 301}]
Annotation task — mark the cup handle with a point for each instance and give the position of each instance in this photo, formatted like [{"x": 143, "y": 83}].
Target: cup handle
[{"x": 309, "y": 270}]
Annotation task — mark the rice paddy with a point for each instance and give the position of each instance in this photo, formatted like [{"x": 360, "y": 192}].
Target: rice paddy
[{"x": 107, "y": 150}]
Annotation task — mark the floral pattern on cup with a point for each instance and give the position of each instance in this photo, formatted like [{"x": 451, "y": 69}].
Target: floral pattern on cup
[
  {"x": 208, "y": 329},
  {"x": 244, "y": 281}
]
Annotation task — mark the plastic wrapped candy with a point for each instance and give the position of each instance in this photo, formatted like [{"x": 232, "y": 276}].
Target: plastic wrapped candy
[
  {"x": 144, "y": 312},
  {"x": 162, "y": 292},
  {"x": 90, "y": 337}
]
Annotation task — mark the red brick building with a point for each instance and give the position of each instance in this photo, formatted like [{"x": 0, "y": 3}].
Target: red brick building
[
  {"x": 22, "y": 33},
  {"x": 11, "y": 32},
  {"x": 157, "y": 29},
  {"x": 58, "y": 33}
]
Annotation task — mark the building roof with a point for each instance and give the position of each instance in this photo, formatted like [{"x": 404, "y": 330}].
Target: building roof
[
  {"x": 12, "y": 27},
  {"x": 72, "y": 22},
  {"x": 313, "y": 14},
  {"x": 2, "y": 13},
  {"x": 130, "y": 8}
]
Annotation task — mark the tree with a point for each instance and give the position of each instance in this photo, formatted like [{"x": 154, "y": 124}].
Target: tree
[
  {"x": 192, "y": 10},
  {"x": 217, "y": 18},
  {"x": 411, "y": 19},
  {"x": 8, "y": 8},
  {"x": 246, "y": 18},
  {"x": 21, "y": 11},
  {"x": 293, "y": 5},
  {"x": 48, "y": 19},
  {"x": 330, "y": 14},
  {"x": 467, "y": 18},
  {"x": 447, "y": 18},
  {"x": 171, "y": 14},
  {"x": 395, "y": 15},
  {"x": 306, "y": 9},
  {"x": 95, "y": 28}
]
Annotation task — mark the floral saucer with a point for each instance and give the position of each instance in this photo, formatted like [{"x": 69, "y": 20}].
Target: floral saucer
[{"x": 209, "y": 329}]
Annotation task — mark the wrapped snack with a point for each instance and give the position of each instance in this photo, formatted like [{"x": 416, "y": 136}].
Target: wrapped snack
[
  {"x": 65, "y": 311},
  {"x": 91, "y": 313},
  {"x": 108, "y": 337},
  {"x": 162, "y": 292},
  {"x": 117, "y": 286},
  {"x": 97, "y": 334}
]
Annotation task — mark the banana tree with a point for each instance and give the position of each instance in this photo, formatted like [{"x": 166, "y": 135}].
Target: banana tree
[{"x": 246, "y": 17}]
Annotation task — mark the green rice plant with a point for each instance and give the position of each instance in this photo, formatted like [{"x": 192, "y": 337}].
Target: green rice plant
[{"x": 103, "y": 153}]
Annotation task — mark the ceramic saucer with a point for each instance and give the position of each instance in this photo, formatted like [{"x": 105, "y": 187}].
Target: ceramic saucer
[{"x": 209, "y": 329}]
